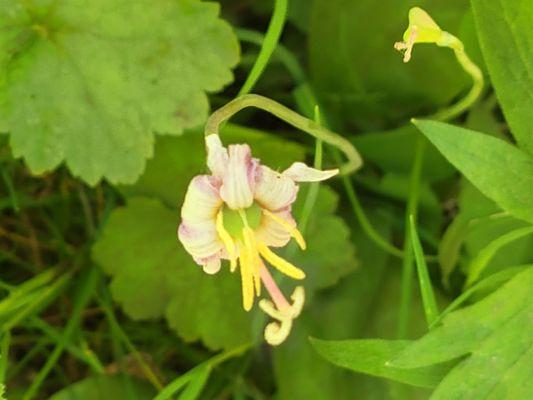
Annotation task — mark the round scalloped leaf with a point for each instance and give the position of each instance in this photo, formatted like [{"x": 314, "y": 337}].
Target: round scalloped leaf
[{"x": 80, "y": 86}]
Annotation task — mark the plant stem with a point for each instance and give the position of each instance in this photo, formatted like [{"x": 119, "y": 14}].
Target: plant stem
[
  {"x": 407, "y": 264},
  {"x": 269, "y": 43},
  {"x": 428, "y": 297},
  {"x": 252, "y": 100}
]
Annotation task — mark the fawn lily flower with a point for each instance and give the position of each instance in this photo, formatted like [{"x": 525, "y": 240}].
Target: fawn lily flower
[
  {"x": 422, "y": 29},
  {"x": 237, "y": 213}
]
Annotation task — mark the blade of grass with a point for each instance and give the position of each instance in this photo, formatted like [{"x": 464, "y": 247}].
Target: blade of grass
[
  {"x": 10, "y": 189},
  {"x": 273, "y": 33},
  {"x": 86, "y": 289},
  {"x": 408, "y": 261},
  {"x": 4, "y": 355},
  {"x": 196, "y": 384},
  {"x": 426, "y": 289},
  {"x": 478, "y": 264},
  {"x": 493, "y": 280},
  {"x": 184, "y": 379},
  {"x": 147, "y": 371}
]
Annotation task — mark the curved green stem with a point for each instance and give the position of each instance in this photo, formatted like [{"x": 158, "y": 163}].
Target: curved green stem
[
  {"x": 275, "y": 27},
  {"x": 477, "y": 82},
  {"x": 292, "y": 118}
]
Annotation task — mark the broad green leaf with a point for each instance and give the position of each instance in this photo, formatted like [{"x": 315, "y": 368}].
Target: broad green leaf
[
  {"x": 393, "y": 151},
  {"x": 371, "y": 356},
  {"x": 156, "y": 277},
  {"x": 506, "y": 38},
  {"x": 79, "y": 85},
  {"x": 358, "y": 76},
  {"x": 499, "y": 170},
  {"x": 106, "y": 387},
  {"x": 495, "y": 336}
]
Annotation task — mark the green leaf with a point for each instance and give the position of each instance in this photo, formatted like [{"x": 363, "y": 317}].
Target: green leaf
[
  {"x": 478, "y": 223},
  {"x": 154, "y": 277},
  {"x": 106, "y": 387},
  {"x": 152, "y": 274},
  {"x": 80, "y": 86},
  {"x": 371, "y": 356},
  {"x": 360, "y": 79},
  {"x": 499, "y": 170},
  {"x": 494, "y": 334},
  {"x": 504, "y": 29},
  {"x": 393, "y": 151}
]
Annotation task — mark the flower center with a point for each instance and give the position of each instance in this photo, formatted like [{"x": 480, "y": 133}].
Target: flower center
[{"x": 233, "y": 221}]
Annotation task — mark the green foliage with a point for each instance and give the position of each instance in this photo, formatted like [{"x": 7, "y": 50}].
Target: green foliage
[
  {"x": 371, "y": 356},
  {"x": 359, "y": 77},
  {"x": 91, "y": 91},
  {"x": 504, "y": 29},
  {"x": 494, "y": 334},
  {"x": 106, "y": 387},
  {"x": 499, "y": 170}
]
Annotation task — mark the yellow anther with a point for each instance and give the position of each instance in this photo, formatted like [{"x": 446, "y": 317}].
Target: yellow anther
[
  {"x": 282, "y": 265},
  {"x": 227, "y": 240}
]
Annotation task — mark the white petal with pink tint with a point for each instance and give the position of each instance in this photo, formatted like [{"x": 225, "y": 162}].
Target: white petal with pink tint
[
  {"x": 272, "y": 233},
  {"x": 217, "y": 155},
  {"x": 202, "y": 200},
  {"x": 237, "y": 181},
  {"x": 200, "y": 239},
  {"x": 273, "y": 190},
  {"x": 299, "y": 172}
]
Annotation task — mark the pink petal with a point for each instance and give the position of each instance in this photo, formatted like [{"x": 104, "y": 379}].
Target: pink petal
[
  {"x": 202, "y": 200},
  {"x": 299, "y": 172},
  {"x": 200, "y": 239},
  {"x": 236, "y": 189},
  {"x": 273, "y": 190},
  {"x": 217, "y": 155}
]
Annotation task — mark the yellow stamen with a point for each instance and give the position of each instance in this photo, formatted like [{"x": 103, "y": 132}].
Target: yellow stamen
[
  {"x": 249, "y": 242},
  {"x": 283, "y": 265},
  {"x": 247, "y": 281},
  {"x": 227, "y": 240},
  {"x": 295, "y": 233}
]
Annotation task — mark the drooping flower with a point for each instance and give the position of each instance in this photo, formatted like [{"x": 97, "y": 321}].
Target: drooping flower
[
  {"x": 238, "y": 213},
  {"x": 423, "y": 29}
]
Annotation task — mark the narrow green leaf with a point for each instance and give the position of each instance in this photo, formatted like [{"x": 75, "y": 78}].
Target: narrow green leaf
[
  {"x": 499, "y": 170},
  {"x": 494, "y": 336},
  {"x": 371, "y": 356},
  {"x": 504, "y": 30},
  {"x": 196, "y": 384},
  {"x": 428, "y": 297},
  {"x": 478, "y": 264}
]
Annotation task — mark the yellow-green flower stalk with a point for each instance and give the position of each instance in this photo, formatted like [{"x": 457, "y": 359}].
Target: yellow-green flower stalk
[
  {"x": 423, "y": 29},
  {"x": 242, "y": 209}
]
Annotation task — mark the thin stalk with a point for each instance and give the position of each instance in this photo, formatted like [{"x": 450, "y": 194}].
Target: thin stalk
[
  {"x": 426, "y": 289},
  {"x": 407, "y": 264},
  {"x": 268, "y": 45},
  {"x": 292, "y": 118}
]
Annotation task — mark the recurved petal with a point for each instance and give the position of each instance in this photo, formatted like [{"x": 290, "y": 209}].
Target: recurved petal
[
  {"x": 200, "y": 239},
  {"x": 273, "y": 190},
  {"x": 299, "y": 172},
  {"x": 217, "y": 155},
  {"x": 237, "y": 181},
  {"x": 273, "y": 234},
  {"x": 202, "y": 200}
]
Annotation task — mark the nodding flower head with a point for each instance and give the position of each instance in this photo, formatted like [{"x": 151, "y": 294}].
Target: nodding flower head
[
  {"x": 237, "y": 213},
  {"x": 422, "y": 29}
]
